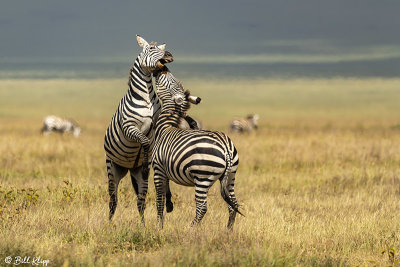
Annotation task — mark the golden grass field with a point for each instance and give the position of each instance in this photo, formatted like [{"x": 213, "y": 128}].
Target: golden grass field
[{"x": 319, "y": 182}]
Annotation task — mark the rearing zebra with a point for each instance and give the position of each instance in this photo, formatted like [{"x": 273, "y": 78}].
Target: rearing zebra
[
  {"x": 190, "y": 157},
  {"x": 129, "y": 136}
]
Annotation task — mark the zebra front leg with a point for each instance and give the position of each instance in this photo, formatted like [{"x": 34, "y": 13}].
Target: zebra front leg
[
  {"x": 160, "y": 183},
  {"x": 145, "y": 163},
  {"x": 169, "y": 205},
  {"x": 139, "y": 135},
  {"x": 140, "y": 184},
  {"x": 115, "y": 173}
]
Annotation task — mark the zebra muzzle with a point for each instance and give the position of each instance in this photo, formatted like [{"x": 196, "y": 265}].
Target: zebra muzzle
[
  {"x": 194, "y": 99},
  {"x": 167, "y": 58}
]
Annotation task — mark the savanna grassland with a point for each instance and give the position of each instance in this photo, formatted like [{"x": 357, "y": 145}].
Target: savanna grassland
[{"x": 319, "y": 182}]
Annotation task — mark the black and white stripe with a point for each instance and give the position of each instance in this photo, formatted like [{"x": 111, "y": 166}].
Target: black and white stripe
[
  {"x": 247, "y": 124},
  {"x": 190, "y": 157},
  {"x": 130, "y": 134},
  {"x": 60, "y": 125},
  {"x": 186, "y": 125}
]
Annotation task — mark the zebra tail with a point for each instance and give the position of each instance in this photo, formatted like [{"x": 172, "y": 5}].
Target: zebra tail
[{"x": 224, "y": 185}]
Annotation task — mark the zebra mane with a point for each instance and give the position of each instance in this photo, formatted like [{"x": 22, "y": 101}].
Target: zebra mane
[
  {"x": 186, "y": 106},
  {"x": 187, "y": 93},
  {"x": 158, "y": 71}
]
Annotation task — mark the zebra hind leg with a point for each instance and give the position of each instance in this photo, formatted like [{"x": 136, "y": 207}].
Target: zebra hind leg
[
  {"x": 115, "y": 173},
  {"x": 140, "y": 184},
  {"x": 169, "y": 205},
  {"x": 228, "y": 194},
  {"x": 201, "y": 209},
  {"x": 201, "y": 201},
  {"x": 232, "y": 216}
]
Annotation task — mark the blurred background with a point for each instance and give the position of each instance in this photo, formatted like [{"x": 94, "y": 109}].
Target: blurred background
[{"x": 96, "y": 38}]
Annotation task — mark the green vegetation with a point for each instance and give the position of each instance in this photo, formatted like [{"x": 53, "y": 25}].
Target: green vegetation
[{"x": 319, "y": 182}]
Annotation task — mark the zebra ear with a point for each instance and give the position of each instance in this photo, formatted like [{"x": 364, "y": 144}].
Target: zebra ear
[
  {"x": 162, "y": 47},
  {"x": 141, "y": 42}
]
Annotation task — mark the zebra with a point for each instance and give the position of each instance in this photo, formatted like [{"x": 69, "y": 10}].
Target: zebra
[
  {"x": 190, "y": 157},
  {"x": 185, "y": 125},
  {"x": 129, "y": 137},
  {"x": 247, "y": 124},
  {"x": 53, "y": 123}
]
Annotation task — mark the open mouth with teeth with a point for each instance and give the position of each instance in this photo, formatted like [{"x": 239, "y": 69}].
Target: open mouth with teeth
[{"x": 167, "y": 58}]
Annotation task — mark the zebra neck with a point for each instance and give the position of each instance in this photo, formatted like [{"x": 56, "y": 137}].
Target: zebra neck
[{"x": 139, "y": 79}]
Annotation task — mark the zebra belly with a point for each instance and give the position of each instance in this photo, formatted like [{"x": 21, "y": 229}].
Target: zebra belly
[
  {"x": 122, "y": 151},
  {"x": 185, "y": 181}
]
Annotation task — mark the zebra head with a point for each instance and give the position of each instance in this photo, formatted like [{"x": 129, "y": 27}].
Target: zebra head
[
  {"x": 172, "y": 94},
  {"x": 74, "y": 127},
  {"x": 253, "y": 119},
  {"x": 153, "y": 56},
  {"x": 77, "y": 131}
]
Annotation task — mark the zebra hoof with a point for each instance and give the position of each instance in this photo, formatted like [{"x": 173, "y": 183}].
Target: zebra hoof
[{"x": 170, "y": 206}]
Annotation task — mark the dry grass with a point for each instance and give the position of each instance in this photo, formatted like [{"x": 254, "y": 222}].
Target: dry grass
[{"x": 319, "y": 182}]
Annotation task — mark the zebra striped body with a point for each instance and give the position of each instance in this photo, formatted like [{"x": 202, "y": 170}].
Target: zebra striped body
[
  {"x": 60, "y": 125},
  {"x": 190, "y": 157},
  {"x": 138, "y": 110},
  {"x": 247, "y": 124},
  {"x": 130, "y": 135}
]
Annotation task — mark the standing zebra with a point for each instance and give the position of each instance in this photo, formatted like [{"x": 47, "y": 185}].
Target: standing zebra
[
  {"x": 190, "y": 157},
  {"x": 60, "y": 125},
  {"x": 129, "y": 136},
  {"x": 244, "y": 124}
]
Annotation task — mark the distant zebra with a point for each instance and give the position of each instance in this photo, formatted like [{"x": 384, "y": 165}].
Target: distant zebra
[
  {"x": 244, "y": 124},
  {"x": 60, "y": 125},
  {"x": 190, "y": 157},
  {"x": 129, "y": 136},
  {"x": 196, "y": 124}
]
